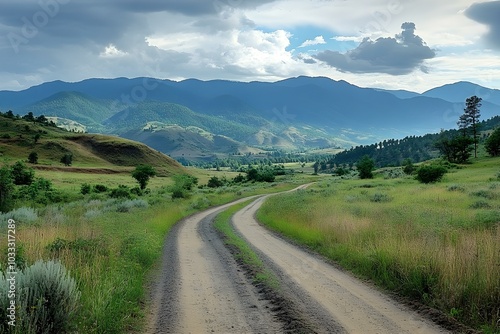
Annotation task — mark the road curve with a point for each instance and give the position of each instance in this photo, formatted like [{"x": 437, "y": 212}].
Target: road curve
[
  {"x": 351, "y": 304},
  {"x": 201, "y": 289}
]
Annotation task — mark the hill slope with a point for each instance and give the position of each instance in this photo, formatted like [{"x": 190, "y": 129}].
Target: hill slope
[{"x": 100, "y": 151}]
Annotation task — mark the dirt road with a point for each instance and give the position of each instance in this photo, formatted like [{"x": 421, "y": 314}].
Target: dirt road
[
  {"x": 355, "y": 306},
  {"x": 202, "y": 289}
]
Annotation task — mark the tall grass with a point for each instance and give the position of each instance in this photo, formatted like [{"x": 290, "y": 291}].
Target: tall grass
[
  {"x": 110, "y": 246},
  {"x": 425, "y": 242}
]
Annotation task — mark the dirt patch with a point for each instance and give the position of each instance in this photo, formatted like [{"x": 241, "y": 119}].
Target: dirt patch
[{"x": 84, "y": 170}]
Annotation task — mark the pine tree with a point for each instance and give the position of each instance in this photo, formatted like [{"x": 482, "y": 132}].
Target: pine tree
[{"x": 470, "y": 119}]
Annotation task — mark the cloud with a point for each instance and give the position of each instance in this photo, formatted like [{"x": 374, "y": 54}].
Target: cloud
[
  {"x": 487, "y": 13},
  {"x": 348, "y": 39},
  {"x": 403, "y": 54},
  {"x": 112, "y": 52},
  {"x": 316, "y": 41}
]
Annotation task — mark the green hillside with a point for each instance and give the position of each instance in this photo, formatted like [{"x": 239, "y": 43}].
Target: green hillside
[
  {"x": 74, "y": 106},
  {"x": 19, "y": 138}
]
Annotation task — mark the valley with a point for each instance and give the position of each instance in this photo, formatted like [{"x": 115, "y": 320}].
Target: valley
[
  {"x": 195, "y": 120},
  {"x": 134, "y": 251}
]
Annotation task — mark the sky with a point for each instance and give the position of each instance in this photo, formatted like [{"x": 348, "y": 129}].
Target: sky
[{"x": 393, "y": 44}]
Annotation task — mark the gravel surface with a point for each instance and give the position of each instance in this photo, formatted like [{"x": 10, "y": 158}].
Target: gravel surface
[{"x": 201, "y": 288}]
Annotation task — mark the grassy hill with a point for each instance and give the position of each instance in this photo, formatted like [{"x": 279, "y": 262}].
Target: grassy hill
[
  {"x": 74, "y": 106},
  {"x": 18, "y": 140}
]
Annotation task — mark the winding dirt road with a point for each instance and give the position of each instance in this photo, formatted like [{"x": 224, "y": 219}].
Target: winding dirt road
[{"x": 203, "y": 290}]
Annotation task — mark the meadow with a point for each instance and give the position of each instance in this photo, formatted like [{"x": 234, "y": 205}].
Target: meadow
[
  {"x": 438, "y": 244},
  {"x": 112, "y": 246}
]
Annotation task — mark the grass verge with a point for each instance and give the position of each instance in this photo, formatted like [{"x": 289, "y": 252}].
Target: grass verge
[
  {"x": 241, "y": 250},
  {"x": 432, "y": 243}
]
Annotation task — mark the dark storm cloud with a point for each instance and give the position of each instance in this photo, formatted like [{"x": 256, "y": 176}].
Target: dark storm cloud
[
  {"x": 57, "y": 22},
  {"x": 400, "y": 55},
  {"x": 487, "y": 13}
]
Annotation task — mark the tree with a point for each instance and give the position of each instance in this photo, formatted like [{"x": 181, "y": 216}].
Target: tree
[
  {"x": 455, "y": 150},
  {"x": 36, "y": 138},
  {"x": 33, "y": 158},
  {"x": 42, "y": 119},
  {"x": 470, "y": 119},
  {"x": 142, "y": 174},
  {"x": 29, "y": 117},
  {"x": 316, "y": 167},
  {"x": 22, "y": 175},
  {"x": 67, "y": 159},
  {"x": 365, "y": 167},
  {"x": 492, "y": 144},
  {"x": 6, "y": 189}
]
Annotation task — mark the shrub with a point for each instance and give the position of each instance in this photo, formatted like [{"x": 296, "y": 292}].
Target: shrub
[
  {"x": 430, "y": 173},
  {"x": 92, "y": 213},
  {"x": 23, "y": 215},
  {"x": 185, "y": 181},
  {"x": 239, "y": 178},
  {"x": 90, "y": 246},
  {"x": 126, "y": 206},
  {"x": 484, "y": 193},
  {"x": 6, "y": 189},
  {"x": 408, "y": 168},
  {"x": 480, "y": 205},
  {"x": 456, "y": 187},
  {"x": 200, "y": 203},
  {"x": 85, "y": 189},
  {"x": 215, "y": 182},
  {"x": 40, "y": 191},
  {"x": 100, "y": 188},
  {"x": 379, "y": 198},
  {"x": 137, "y": 191},
  {"x": 178, "y": 193},
  {"x": 46, "y": 299},
  {"x": 120, "y": 192}
]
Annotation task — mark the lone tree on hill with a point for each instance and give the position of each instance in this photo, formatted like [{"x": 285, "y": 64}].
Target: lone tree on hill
[
  {"x": 33, "y": 158},
  {"x": 142, "y": 174},
  {"x": 470, "y": 119},
  {"x": 67, "y": 159}
]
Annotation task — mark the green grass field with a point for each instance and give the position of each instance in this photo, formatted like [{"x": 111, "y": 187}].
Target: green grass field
[
  {"x": 111, "y": 246},
  {"x": 437, "y": 243}
]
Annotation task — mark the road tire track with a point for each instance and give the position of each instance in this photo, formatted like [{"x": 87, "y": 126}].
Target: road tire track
[{"x": 326, "y": 292}]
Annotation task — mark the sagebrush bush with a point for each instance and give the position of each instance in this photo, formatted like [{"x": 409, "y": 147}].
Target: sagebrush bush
[
  {"x": 21, "y": 215},
  {"x": 126, "y": 206},
  {"x": 456, "y": 187},
  {"x": 200, "y": 203},
  {"x": 47, "y": 299},
  {"x": 380, "y": 198}
]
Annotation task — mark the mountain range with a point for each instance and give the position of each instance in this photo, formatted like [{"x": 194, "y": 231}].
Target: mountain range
[{"x": 198, "y": 119}]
